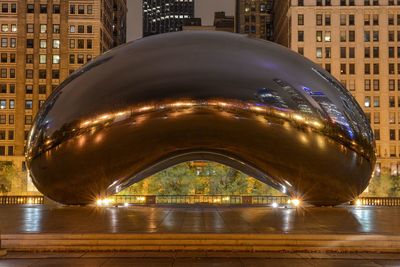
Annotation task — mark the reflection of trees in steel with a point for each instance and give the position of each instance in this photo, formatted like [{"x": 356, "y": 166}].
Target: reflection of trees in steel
[{"x": 203, "y": 177}]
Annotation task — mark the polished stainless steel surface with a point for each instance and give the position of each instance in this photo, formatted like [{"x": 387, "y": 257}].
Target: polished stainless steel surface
[{"x": 161, "y": 100}]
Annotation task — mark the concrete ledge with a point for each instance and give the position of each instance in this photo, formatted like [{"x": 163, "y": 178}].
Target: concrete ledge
[{"x": 201, "y": 242}]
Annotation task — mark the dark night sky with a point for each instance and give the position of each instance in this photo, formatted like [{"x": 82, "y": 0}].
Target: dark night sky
[{"x": 203, "y": 8}]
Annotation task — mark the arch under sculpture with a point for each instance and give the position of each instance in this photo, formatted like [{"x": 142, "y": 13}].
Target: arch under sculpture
[{"x": 165, "y": 99}]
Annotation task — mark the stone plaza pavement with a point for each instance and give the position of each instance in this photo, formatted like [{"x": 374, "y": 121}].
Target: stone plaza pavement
[
  {"x": 198, "y": 259},
  {"x": 43, "y": 219},
  {"x": 310, "y": 221}
]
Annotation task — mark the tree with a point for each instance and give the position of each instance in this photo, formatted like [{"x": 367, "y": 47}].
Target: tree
[
  {"x": 8, "y": 172},
  {"x": 176, "y": 180},
  {"x": 384, "y": 185},
  {"x": 210, "y": 179}
]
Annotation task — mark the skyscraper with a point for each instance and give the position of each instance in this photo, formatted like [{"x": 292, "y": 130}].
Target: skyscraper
[
  {"x": 42, "y": 42},
  {"x": 254, "y": 18},
  {"x": 358, "y": 42},
  {"x": 161, "y": 16}
]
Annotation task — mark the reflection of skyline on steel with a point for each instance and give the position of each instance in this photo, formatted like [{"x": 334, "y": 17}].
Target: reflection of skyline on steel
[{"x": 162, "y": 100}]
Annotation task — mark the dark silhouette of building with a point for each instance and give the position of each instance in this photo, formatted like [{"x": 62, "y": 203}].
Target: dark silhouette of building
[
  {"x": 224, "y": 23},
  {"x": 119, "y": 22},
  {"x": 254, "y": 18},
  {"x": 161, "y": 16}
]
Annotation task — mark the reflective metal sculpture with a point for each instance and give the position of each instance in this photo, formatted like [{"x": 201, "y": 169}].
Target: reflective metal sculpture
[{"x": 247, "y": 103}]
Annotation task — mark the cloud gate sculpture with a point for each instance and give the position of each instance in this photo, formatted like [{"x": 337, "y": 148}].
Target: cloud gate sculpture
[{"x": 162, "y": 100}]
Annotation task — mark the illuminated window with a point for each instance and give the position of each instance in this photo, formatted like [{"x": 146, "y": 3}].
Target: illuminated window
[
  {"x": 56, "y": 43},
  {"x": 43, "y": 28},
  {"x": 4, "y": 27},
  {"x": 3, "y": 104},
  {"x": 319, "y": 52},
  {"x": 42, "y": 59},
  {"x": 43, "y": 43},
  {"x": 367, "y": 101},
  {"x": 327, "y": 36},
  {"x": 56, "y": 59}
]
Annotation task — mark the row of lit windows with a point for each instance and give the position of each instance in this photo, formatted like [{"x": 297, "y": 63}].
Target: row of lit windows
[
  {"x": 8, "y": 42},
  {"x": 349, "y": 2},
  {"x": 30, "y": 43},
  {"x": 73, "y": 59},
  {"x": 348, "y": 36},
  {"x": 43, "y": 59},
  {"x": 28, "y": 104},
  {"x": 3, "y": 104},
  {"x": 80, "y": 29},
  {"x": 349, "y": 19},
  {"x": 79, "y": 43},
  {"x": 351, "y": 53},
  {"x": 345, "y": 36},
  {"x": 350, "y": 68},
  {"x": 42, "y": 74},
  {"x": 30, "y": 28},
  {"x": 8, "y": 27},
  {"x": 376, "y": 101},
  {"x": 262, "y": 8}
]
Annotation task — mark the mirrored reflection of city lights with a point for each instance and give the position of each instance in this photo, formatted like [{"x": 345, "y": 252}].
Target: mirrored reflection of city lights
[
  {"x": 32, "y": 219},
  {"x": 364, "y": 218},
  {"x": 140, "y": 114}
]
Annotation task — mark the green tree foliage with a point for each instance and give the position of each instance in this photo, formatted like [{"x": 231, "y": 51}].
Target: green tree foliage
[
  {"x": 177, "y": 180},
  {"x": 7, "y": 172},
  {"x": 384, "y": 185},
  {"x": 211, "y": 179}
]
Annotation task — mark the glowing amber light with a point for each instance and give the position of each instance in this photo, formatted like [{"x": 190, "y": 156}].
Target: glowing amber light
[{"x": 296, "y": 202}]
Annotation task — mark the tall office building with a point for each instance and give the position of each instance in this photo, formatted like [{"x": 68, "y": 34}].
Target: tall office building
[
  {"x": 161, "y": 16},
  {"x": 254, "y": 18},
  {"x": 42, "y": 42},
  {"x": 358, "y": 42}
]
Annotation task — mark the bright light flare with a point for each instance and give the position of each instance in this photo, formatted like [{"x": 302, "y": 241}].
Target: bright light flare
[
  {"x": 275, "y": 205},
  {"x": 296, "y": 202},
  {"x": 104, "y": 202},
  {"x": 358, "y": 202}
]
